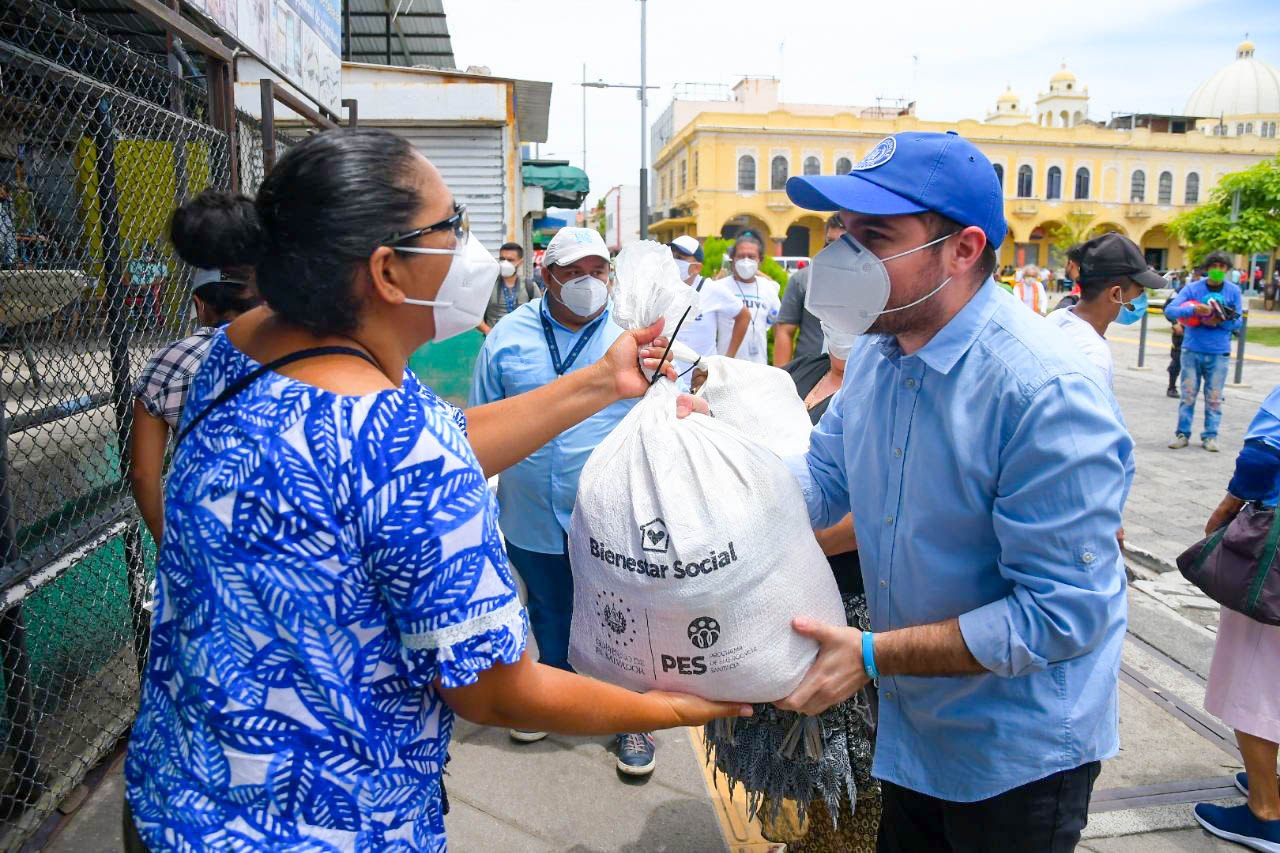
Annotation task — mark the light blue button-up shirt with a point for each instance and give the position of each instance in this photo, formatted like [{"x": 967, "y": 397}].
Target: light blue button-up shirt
[
  {"x": 986, "y": 474},
  {"x": 535, "y": 497}
]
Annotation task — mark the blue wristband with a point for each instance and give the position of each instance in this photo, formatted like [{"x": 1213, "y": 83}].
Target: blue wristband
[{"x": 869, "y": 655}]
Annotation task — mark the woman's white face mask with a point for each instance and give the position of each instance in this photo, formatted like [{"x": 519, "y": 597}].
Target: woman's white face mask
[{"x": 460, "y": 303}]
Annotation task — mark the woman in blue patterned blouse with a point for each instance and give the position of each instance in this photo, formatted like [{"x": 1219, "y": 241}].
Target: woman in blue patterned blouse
[{"x": 331, "y": 586}]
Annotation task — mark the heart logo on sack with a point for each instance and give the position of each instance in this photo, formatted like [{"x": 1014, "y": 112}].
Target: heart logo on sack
[{"x": 653, "y": 537}]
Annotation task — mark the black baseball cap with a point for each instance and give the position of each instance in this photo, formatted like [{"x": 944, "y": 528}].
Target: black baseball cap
[{"x": 1111, "y": 256}]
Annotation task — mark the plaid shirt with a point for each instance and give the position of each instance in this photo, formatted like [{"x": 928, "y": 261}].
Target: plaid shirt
[{"x": 162, "y": 385}]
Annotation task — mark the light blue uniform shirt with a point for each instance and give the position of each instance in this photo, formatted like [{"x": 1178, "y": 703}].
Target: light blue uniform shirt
[
  {"x": 986, "y": 475},
  {"x": 535, "y": 497}
]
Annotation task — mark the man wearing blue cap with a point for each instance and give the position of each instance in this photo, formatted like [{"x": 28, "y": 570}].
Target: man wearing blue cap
[{"x": 986, "y": 466}]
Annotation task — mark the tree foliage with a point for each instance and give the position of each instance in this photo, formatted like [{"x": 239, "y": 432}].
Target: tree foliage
[{"x": 1257, "y": 229}]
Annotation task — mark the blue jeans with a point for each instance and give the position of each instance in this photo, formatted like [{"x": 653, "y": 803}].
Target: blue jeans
[
  {"x": 1209, "y": 369},
  {"x": 549, "y": 582}
]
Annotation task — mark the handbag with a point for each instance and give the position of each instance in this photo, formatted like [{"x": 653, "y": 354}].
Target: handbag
[{"x": 1236, "y": 564}]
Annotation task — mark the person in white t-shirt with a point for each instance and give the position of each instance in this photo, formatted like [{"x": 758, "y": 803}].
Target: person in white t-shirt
[
  {"x": 761, "y": 296},
  {"x": 1113, "y": 279},
  {"x": 716, "y": 303}
]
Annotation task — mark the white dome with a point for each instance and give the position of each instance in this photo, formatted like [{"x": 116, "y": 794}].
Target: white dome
[{"x": 1247, "y": 86}]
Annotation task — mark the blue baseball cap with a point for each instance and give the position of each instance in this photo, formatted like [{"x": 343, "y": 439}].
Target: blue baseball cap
[{"x": 914, "y": 172}]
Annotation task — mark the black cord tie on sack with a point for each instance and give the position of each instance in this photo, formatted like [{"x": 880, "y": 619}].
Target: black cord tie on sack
[{"x": 671, "y": 341}]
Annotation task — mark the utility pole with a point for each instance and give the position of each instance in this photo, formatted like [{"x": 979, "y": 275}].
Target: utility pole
[
  {"x": 584, "y": 129},
  {"x": 644, "y": 131}
]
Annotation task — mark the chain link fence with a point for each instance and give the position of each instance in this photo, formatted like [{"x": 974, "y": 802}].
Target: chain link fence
[
  {"x": 249, "y": 132},
  {"x": 98, "y": 144}
]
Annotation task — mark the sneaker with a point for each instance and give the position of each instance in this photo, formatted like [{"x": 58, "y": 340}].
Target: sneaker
[
  {"x": 1210, "y": 444},
  {"x": 1242, "y": 782},
  {"x": 1172, "y": 392},
  {"x": 637, "y": 754},
  {"x": 1238, "y": 824},
  {"x": 1179, "y": 441},
  {"x": 525, "y": 736}
]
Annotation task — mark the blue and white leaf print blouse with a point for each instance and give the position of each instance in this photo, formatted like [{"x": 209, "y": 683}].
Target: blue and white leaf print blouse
[{"x": 326, "y": 559}]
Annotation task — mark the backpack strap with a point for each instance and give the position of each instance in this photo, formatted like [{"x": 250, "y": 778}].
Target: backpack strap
[{"x": 245, "y": 381}]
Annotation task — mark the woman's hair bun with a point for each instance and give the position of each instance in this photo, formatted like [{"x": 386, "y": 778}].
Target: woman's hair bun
[{"x": 218, "y": 229}]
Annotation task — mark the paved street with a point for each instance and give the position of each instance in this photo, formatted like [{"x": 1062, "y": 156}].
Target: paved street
[
  {"x": 563, "y": 793},
  {"x": 1175, "y": 490}
]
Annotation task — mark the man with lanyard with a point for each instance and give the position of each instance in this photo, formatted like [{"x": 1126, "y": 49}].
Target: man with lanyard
[
  {"x": 1210, "y": 310},
  {"x": 758, "y": 293},
  {"x": 566, "y": 330},
  {"x": 986, "y": 466},
  {"x": 716, "y": 304},
  {"x": 510, "y": 291},
  {"x": 793, "y": 316}
]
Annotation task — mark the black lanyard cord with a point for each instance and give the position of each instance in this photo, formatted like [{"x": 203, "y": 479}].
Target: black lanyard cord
[{"x": 251, "y": 377}]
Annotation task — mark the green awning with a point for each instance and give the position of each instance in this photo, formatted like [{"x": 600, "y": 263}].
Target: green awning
[{"x": 562, "y": 185}]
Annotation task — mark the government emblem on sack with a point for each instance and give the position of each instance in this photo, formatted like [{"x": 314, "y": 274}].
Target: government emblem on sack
[
  {"x": 878, "y": 156},
  {"x": 654, "y": 538},
  {"x": 615, "y": 617}
]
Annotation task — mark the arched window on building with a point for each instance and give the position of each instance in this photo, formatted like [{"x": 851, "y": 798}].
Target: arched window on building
[
  {"x": 1164, "y": 191},
  {"x": 695, "y": 168},
  {"x": 844, "y": 166},
  {"x": 1082, "y": 183},
  {"x": 684, "y": 175},
  {"x": 1193, "y": 189},
  {"x": 999, "y": 174},
  {"x": 1248, "y": 128},
  {"x": 1053, "y": 184},
  {"x": 1239, "y": 128},
  {"x": 746, "y": 174},
  {"x": 1024, "y": 181},
  {"x": 778, "y": 173},
  {"x": 1138, "y": 186},
  {"x": 812, "y": 166}
]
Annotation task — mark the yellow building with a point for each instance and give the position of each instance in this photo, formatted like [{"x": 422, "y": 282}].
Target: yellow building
[{"x": 722, "y": 163}]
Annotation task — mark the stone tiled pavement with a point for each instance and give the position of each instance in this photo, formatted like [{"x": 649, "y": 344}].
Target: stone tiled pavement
[{"x": 1175, "y": 490}]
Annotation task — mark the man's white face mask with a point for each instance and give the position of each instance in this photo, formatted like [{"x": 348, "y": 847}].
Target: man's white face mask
[{"x": 849, "y": 285}]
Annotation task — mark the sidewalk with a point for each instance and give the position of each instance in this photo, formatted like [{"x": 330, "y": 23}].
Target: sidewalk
[{"x": 1175, "y": 490}]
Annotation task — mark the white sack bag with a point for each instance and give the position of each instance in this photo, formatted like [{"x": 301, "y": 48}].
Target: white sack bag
[
  {"x": 759, "y": 401},
  {"x": 692, "y": 552}
]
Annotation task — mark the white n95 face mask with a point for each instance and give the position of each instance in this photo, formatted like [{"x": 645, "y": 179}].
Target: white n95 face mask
[
  {"x": 746, "y": 268},
  {"x": 459, "y": 304},
  {"x": 506, "y": 269},
  {"x": 584, "y": 295},
  {"x": 839, "y": 344},
  {"x": 682, "y": 267},
  {"x": 849, "y": 285}
]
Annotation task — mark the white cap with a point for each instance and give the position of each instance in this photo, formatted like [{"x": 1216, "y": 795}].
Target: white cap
[
  {"x": 574, "y": 244},
  {"x": 687, "y": 244}
]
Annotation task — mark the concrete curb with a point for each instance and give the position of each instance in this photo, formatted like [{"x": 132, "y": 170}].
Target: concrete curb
[{"x": 1147, "y": 560}]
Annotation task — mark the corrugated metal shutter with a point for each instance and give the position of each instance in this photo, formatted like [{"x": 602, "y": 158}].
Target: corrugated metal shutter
[{"x": 472, "y": 163}]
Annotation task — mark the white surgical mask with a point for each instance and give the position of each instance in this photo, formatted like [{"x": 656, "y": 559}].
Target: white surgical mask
[
  {"x": 838, "y": 343},
  {"x": 459, "y": 305},
  {"x": 746, "y": 268},
  {"x": 849, "y": 285},
  {"x": 506, "y": 269},
  {"x": 584, "y": 295},
  {"x": 683, "y": 268}
]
